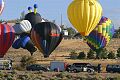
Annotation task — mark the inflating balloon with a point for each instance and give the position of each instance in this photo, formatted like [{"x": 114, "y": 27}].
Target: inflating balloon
[
  {"x": 22, "y": 27},
  {"x": 7, "y": 36},
  {"x": 2, "y": 4},
  {"x": 25, "y": 43},
  {"x": 46, "y": 36},
  {"x": 84, "y": 15},
  {"x": 33, "y": 17},
  {"x": 101, "y": 35}
]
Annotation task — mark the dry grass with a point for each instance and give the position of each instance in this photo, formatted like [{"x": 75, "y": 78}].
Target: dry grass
[{"x": 63, "y": 50}]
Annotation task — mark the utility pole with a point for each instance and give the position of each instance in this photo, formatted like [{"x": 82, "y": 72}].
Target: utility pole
[{"x": 61, "y": 19}]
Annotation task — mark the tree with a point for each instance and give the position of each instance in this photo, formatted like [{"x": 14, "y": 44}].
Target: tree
[
  {"x": 73, "y": 55},
  {"x": 71, "y": 31},
  {"x": 102, "y": 53},
  {"x": 81, "y": 55},
  {"x": 111, "y": 55},
  {"x": 62, "y": 27},
  {"x": 118, "y": 52},
  {"x": 91, "y": 54},
  {"x": 25, "y": 61},
  {"x": 117, "y": 33}
]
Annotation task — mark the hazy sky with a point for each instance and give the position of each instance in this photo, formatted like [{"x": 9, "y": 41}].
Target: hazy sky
[{"x": 52, "y": 9}]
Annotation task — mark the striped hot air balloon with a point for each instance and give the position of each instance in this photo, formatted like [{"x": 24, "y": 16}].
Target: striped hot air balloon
[
  {"x": 46, "y": 36},
  {"x": 2, "y": 4},
  {"x": 84, "y": 15},
  {"x": 7, "y": 36},
  {"x": 101, "y": 35}
]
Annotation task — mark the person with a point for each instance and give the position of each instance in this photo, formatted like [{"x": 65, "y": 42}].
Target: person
[{"x": 99, "y": 68}]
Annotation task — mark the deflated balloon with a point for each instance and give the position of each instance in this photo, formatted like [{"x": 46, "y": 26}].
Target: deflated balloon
[
  {"x": 84, "y": 15},
  {"x": 22, "y": 27},
  {"x": 101, "y": 35},
  {"x": 33, "y": 18},
  {"x": 46, "y": 36},
  {"x": 7, "y": 36},
  {"x": 2, "y": 4}
]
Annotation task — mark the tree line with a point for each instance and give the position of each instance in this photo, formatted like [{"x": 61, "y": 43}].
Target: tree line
[{"x": 101, "y": 54}]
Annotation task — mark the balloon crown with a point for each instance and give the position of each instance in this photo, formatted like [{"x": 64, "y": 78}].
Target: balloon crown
[{"x": 35, "y": 8}]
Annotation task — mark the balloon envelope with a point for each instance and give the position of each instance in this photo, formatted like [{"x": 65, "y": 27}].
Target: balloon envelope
[
  {"x": 2, "y": 4},
  {"x": 33, "y": 18},
  {"x": 101, "y": 35},
  {"x": 24, "y": 42},
  {"x": 7, "y": 36},
  {"x": 46, "y": 36},
  {"x": 22, "y": 27},
  {"x": 84, "y": 15}
]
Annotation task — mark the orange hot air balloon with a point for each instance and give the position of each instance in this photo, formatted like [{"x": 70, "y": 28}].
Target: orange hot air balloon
[{"x": 84, "y": 15}]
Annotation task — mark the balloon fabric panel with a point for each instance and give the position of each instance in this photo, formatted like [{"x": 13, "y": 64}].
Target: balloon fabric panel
[
  {"x": 17, "y": 44},
  {"x": 35, "y": 38},
  {"x": 24, "y": 41},
  {"x": 6, "y": 38}
]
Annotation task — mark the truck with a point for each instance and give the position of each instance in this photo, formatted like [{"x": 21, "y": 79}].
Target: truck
[
  {"x": 5, "y": 64},
  {"x": 58, "y": 66}
]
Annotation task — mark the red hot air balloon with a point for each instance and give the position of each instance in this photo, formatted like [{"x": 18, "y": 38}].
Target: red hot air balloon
[{"x": 7, "y": 36}]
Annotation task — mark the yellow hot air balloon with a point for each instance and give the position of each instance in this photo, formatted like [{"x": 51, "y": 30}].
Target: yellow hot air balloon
[{"x": 84, "y": 15}]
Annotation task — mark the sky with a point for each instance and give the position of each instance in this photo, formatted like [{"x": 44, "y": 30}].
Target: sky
[{"x": 52, "y": 9}]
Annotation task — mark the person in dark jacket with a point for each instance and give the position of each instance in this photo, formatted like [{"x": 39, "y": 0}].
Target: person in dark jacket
[{"x": 99, "y": 68}]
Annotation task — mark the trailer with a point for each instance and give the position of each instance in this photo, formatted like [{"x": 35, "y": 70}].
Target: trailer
[{"x": 58, "y": 66}]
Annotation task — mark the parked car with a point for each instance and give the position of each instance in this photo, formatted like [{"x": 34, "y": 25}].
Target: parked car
[
  {"x": 113, "y": 68},
  {"x": 80, "y": 67},
  {"x": 36, "y": 67}
]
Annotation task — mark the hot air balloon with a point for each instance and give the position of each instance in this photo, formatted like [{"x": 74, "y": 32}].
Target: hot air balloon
[
  {"x": 84, "y": 15},
  {"x": 101, "y": 35},
  {"x": 7, "y": 36},
  {"x": 46, "y": 36},
  {"x": 25, "y": 43},
  {"x": 22, "y": 27},
  {"x": 2, "y": 4},
  {"x": 33, "y": 17}
]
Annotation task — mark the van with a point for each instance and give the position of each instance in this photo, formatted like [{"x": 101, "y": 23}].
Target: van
[{"x": 58, "y": 66}]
